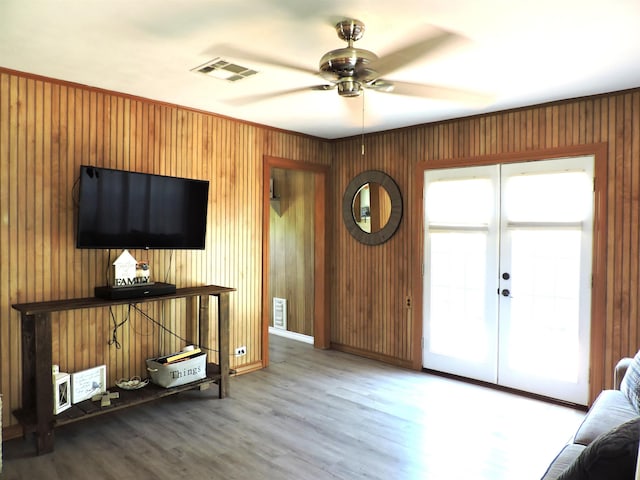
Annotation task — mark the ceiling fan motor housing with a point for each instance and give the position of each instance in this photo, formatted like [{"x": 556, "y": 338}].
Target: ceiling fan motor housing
[{"x": 348, "y": 64}]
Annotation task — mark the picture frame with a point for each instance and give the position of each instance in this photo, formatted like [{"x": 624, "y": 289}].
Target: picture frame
[
  {"x": 87, "y": 383},
  {"x": 61, "y": 392}
]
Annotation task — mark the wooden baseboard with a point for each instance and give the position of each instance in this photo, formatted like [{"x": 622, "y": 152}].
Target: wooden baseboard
[{"x": 247, "y": 368}]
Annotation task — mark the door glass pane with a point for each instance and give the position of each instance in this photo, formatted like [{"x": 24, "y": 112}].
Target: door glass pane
[
  {"x": 548, "y": 197},
  {"x": 545, "y": 307},
  {"x": 460, "y": 202},
  {"x": 457, "y": 243},
  {"x": 457, "y": 294}
]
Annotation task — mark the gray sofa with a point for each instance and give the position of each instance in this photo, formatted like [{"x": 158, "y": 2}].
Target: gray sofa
[{"x": 611, "y": 410}]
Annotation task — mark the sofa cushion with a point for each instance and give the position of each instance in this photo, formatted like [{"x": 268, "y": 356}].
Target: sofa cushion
[
  {"x": 562, "y": 461},
  {"x": 630, "y": 384},
  {"x": 610, "y": 409},
  {"x": 611, "y": 456}
]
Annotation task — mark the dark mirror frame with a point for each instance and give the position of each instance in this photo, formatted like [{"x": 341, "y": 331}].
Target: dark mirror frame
[{"x": 384, "y": 234}]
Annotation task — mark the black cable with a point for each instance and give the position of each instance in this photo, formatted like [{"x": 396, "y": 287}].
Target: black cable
[
  {"x": 168, "y": 271},
  {"x": 139, "y": 333},
  {"x": 75, "y": 194},
  {"x": 167, "y": 330},
  {"x": 116, "y": 326}
]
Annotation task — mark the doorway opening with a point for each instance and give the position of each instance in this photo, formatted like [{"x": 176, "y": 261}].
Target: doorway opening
[{"x": 294, "y": 252}]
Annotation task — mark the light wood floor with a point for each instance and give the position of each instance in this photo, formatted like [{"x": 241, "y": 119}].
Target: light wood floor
[{"x": 312, "y": 415}]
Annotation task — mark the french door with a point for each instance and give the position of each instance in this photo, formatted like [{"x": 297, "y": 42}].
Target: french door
[{"x": 507, "y": 277}]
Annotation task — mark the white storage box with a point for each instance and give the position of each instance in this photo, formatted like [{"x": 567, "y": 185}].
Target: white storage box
[{"x": 178, "y": 373}]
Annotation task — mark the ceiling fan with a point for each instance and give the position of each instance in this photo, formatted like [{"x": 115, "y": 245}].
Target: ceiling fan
[{"x": 350, "y": 70}]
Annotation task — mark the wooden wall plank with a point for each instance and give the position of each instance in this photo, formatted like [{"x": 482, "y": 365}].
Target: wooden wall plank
[
  {"x": 7, "y": 333},
  {"x": 633, "y": 142}
]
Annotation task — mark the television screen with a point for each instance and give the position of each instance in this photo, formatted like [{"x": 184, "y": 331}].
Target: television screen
[{"x": 121, "y": 209}]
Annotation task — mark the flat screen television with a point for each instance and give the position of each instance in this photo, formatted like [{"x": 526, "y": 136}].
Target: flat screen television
[{"x": 123, "y": 209}]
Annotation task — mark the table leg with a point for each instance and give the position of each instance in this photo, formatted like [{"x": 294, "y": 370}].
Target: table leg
[
  {"x": 223, "y": 342},
  {"x": 37, "y": 383}
]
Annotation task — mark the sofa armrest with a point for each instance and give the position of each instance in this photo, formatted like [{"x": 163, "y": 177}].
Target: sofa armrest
[{"x": 620, "y": 370}]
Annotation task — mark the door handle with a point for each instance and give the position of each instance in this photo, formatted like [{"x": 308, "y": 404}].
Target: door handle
[{"x": 505, "y": 292}]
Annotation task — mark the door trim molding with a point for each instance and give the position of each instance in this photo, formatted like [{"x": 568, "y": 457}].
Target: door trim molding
[
  {"x": 599, "y": 259},
  {"x": 321, "y": 323}
]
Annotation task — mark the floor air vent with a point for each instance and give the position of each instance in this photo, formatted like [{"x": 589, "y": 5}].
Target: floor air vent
[{"x": 280, "y": 313}]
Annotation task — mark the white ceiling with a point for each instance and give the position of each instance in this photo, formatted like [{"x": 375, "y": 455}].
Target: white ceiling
[{"x": 518, "y": 52}]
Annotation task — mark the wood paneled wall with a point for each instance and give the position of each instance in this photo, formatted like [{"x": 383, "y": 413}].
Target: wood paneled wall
[
  {"x": 369, "y": 314},
  {"x": 370, "y": 284},
  {"x": 47, "y": 130},
  {"x": 292, "y": 233}
]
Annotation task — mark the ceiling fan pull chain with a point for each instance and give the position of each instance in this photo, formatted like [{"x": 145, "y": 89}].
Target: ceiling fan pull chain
[{"x": 362, "y": 141}]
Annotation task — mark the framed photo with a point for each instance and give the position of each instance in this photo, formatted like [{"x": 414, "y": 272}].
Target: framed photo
[
  {"x": 87, "y": 383},
  {"x": 61, "y": 392}
]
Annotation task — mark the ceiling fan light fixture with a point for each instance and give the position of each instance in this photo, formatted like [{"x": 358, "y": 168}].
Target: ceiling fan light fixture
[{"x": 348, "y": 87}]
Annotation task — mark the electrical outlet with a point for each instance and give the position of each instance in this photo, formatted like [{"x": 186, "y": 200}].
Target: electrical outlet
[{"x": 240, "y": 351}]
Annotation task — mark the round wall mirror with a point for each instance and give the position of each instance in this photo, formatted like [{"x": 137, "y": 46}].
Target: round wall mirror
[{"x": 372, "y": 207}]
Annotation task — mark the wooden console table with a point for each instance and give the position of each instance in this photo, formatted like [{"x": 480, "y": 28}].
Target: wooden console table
[{"x": 36, "y": 414}]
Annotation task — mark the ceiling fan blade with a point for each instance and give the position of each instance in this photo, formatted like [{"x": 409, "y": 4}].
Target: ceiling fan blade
[
  {"x": 432, "y": 91},
  {"x": 401, "y": 57},
  {"x": 231, "y": 51},
  {"x": 246, "y": 100}
]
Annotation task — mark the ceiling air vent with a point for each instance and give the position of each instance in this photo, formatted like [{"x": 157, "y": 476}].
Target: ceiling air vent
[{"x": 224, "y": 70}]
